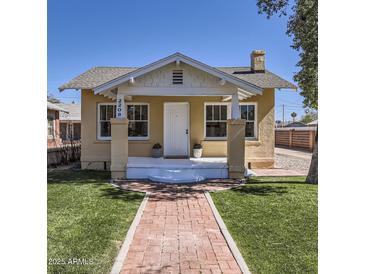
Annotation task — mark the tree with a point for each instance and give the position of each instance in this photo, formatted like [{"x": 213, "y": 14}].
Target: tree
[
  {"x": 293, "y": 115},
  {"x": 309, "y": 117},
  {"x": 303, "y": 27}
]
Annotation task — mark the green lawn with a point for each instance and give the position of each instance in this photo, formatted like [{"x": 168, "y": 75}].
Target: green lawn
[
  {"x": 274, "y": 223},
  {"x": 87, "y": 221}
]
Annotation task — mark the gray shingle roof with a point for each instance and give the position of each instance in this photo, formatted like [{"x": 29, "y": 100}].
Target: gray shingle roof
[
  {"x": 99, "y": 75},
  {"x": 95, "y": 77},
  {"x": 74, "y": 112},
  {"x": 265, "y": 79}
]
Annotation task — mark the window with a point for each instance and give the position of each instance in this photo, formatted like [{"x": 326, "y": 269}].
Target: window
[
  {"x": 177, "y": 77},
  {"x": 63, "y": 130},
  {"x": 77, "y": 131},
  {"x": 106, "y": 112},
  {"x": 216, "y": 120},
  {"x": 216, "y": 115},
  {"x": 137, "y": 114},
  {"x": 70, "y": 132},
  {"x": 138, "y": 121},
  {"x": 50, "y": 127},
  {"x": 248, "y": 112}
]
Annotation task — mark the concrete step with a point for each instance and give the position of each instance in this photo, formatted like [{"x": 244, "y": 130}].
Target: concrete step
[{"x": 177, "y": 176}]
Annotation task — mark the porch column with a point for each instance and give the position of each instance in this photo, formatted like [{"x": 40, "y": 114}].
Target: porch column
[
  {"x": 119, "y": 142},
  {"x": 236, "y": 142}
]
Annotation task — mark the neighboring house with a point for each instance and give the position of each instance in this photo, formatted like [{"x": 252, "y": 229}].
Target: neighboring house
[
  {"x": 178, "y": 102},
  {"x": 70, "y": 122},
  {"x": 295, "y": 124},
  {"x": 313, "y": 123},
  {"x": 53, "y": 125}
]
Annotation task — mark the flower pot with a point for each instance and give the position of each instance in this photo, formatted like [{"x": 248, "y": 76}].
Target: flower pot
[
  {"x": 198, "y": 152},
  {"x": 156, "y": 152}
]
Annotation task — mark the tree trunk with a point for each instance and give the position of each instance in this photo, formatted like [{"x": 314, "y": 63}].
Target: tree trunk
[{"x": 312, "y": 177}]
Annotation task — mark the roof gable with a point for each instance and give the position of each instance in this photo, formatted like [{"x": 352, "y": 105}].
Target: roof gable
[
  {"x": 178, "y": 57},
  {"x": 73, "y": 112},
  {"x": 97, "y": 76}
]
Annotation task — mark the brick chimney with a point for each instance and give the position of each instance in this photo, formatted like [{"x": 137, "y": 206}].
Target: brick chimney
[{"x": 258, "y": 61}]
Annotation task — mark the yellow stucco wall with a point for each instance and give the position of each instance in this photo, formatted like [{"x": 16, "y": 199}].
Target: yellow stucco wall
[{"x": 260, "y": 153}]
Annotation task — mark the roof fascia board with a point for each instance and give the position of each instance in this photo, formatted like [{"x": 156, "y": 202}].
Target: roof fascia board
[
  {"x": 182, "y": 58},
  {"x": 135, "y": 73},
  {"x": 175, "y": 91}
]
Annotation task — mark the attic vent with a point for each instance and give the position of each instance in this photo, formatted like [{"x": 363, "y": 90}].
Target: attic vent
[{"x": 177, "y": 77}]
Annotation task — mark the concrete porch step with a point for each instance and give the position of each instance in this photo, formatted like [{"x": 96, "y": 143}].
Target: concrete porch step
[
  {"x": 176, "y": 170},
  {"x": 177, "y": 176}
]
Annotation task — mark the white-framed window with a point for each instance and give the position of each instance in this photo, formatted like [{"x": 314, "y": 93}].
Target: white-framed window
[
  {"x": 137, "y": 114},
  {"x": 106, "y": 111},
  {"x": 216, "y": 115},
  {"x": 249, "y": 113},
  {"x": 50, "y": 128},
  {"x": 215, "y": 120}
]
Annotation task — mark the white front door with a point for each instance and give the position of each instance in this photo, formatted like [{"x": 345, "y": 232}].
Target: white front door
[{"x": 176, "y": 129}]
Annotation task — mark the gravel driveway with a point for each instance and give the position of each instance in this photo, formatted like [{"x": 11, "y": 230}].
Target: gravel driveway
[{"x": 292, "y": 159}]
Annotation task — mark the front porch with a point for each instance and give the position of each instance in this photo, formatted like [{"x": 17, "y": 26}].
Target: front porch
[
  {"x": 181, "y": 118},
  {"x": 177, "y": 170}
]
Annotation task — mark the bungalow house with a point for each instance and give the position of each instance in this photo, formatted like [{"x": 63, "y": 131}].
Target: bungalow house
[
  {"x": 53, "y": 124},
  {"x": 178, "y": 102},
  {"x": 70, "y": 122}
]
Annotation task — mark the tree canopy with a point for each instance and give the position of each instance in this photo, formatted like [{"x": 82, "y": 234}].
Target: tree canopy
[{"x": 303, "y": 27}]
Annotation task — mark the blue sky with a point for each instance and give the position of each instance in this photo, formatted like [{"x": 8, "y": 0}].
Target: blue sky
[{"x": 84, "y": 34}]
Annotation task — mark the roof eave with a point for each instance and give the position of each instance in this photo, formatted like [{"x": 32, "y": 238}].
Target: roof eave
[{"x": 172, "y": 58}]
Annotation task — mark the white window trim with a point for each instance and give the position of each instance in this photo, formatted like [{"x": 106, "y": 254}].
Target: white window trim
[
  {"x": 229, "y": 117},
  {"x": 205, "y": 119},
  {"x": 255, "y": 122},
  {"x": 101, "y": 138},
  {"x": 53, "y": 136},
  {"x": 148, "y": 121}
]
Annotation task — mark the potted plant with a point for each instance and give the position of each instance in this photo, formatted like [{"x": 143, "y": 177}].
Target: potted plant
[
  {"x": 197, "y": 150},
  {"x": 157, "y": 150}
]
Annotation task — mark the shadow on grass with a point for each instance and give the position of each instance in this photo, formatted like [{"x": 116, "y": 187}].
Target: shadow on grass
[
  {"x": 96, "y": 179},
  {"x": 263, "y": 186},
  {"x": 261, "y": 190},
  {"x": 78, "y": 177},
  {"x": 277, "y": 180},
  {"x": 114, "y": 193}
]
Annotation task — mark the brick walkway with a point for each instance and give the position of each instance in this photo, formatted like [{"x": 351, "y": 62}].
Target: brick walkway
[{"x": 178, "y": 233}]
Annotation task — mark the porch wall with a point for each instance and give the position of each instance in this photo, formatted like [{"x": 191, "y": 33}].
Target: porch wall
[{"x": 95, "y": 153}]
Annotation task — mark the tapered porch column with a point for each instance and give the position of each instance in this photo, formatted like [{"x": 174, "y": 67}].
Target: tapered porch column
[
  {"x": 119, "y": 142},
  {"x": 236, "y": 141}
]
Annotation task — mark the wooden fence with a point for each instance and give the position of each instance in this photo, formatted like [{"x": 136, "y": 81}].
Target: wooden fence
[{"x": 302, "y": 137}]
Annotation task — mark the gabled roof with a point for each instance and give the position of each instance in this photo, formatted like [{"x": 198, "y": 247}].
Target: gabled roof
[
  {"x": 313, "y": 123},
  {"x": 74, "y": 112},
  {"x": 295, "y": 124},
  {"x": 55, "y": 107},
  {"x": 265, "y": 79},
  {"x": 177, "y": 57},
  {"x": 97, "y": 77}
]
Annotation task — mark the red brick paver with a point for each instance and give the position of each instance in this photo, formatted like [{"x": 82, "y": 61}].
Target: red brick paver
[{"x": 178, "y": 234}]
